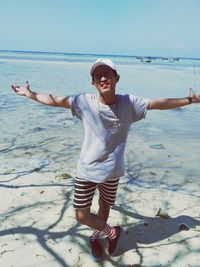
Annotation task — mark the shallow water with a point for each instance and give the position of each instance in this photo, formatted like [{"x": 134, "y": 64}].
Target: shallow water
[{"x": 163, "y": 150}]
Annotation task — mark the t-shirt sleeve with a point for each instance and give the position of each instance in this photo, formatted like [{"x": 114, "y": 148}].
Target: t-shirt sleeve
[
  {"x": 77, "y": 105},
  {"x": 140, "y": 106}
]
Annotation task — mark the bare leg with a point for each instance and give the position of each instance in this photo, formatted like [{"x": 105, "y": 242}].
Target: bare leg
[
  {"x": 92, "y": 220},
  {"x": 98, "y": 222},
  {"x": 104, "y": 210}
]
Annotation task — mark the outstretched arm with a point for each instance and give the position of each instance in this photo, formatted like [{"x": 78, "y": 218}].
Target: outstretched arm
[
  {"x": 171, "y": 103},
  {"x": 55, "y": 101}
]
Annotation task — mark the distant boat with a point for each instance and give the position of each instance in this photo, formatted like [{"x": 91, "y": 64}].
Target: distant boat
[
  {"x": 170, "y": 59},
  {"x": 145, "y": 59}
]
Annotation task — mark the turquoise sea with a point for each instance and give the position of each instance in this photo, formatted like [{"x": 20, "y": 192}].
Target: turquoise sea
[{"x": 162, "y": 151}]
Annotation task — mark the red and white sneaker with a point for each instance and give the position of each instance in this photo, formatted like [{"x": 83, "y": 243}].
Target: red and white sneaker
[{"x": 113, "y": 243}]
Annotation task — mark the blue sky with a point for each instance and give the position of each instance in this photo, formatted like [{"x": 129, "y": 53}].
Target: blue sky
[{"x": 127, "y": 27}]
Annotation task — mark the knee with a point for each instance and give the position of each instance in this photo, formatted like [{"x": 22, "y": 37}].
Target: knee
[{"x": 81, "y": 216}]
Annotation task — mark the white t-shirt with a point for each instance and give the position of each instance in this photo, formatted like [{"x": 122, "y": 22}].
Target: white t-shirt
[{"x": 105, "y": 133}]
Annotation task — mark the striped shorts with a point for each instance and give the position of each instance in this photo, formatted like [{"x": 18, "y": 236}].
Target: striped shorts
[{"x": 84, "y": 192}]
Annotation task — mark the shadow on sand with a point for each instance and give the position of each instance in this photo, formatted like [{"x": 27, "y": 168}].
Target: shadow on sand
[{"x": 150, "y": 230}]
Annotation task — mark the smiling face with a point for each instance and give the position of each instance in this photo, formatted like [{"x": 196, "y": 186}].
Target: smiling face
[{"x": 105, "y": 79}]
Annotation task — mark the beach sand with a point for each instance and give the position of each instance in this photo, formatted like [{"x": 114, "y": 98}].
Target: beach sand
[{"x": 38, "y": 227}]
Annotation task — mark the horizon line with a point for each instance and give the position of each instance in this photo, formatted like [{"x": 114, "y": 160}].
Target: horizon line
[{"x": 92, "y": 54}]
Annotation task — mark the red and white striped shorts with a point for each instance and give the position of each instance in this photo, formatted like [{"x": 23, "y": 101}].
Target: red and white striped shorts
[{"x": 84, "y": 192}]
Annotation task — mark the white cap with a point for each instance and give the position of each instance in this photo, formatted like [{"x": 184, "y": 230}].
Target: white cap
[{"x": 103, "y": 61}]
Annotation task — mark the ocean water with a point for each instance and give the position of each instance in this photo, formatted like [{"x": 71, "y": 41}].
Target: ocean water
[{"x": 162, "y": 151}]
